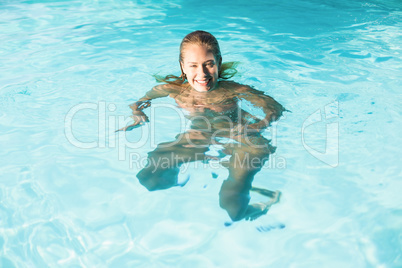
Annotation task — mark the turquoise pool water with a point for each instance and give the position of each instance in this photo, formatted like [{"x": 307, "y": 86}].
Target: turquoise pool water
[{"x": 68, "y": 192}]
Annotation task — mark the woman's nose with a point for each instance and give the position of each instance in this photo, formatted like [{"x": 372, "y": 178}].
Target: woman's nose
[{"x": 203, "y": 70}]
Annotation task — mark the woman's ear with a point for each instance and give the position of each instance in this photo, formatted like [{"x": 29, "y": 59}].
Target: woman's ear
[
  {"x": 183, "y": 75},
  {"x": 181, "y": 66}
]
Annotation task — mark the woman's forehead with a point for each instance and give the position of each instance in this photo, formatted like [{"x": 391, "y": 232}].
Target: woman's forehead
[{"x": 197, "y": 53}]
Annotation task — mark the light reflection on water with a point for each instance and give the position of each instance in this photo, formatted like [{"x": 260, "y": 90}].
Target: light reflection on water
[{"x": 65, "y": 206}]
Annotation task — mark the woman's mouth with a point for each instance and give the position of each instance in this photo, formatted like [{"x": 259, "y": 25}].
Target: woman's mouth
[{"x": 203, "y": 82}]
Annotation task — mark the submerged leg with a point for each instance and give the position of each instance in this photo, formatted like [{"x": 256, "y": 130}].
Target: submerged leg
[
  {"x": 154, "y": 178},
  {"x": 163, "y": 167},
  {"x": 264, "y": 192},
  {"x": 246, "y": 161}
]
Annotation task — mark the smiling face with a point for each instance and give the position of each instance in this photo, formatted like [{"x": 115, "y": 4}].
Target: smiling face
[{"x": 201, "y": 67}]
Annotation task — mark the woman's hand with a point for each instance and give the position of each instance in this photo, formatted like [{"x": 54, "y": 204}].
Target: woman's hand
[
  {"x": 140, "y": 105},
  {"x": 256, "y": 127},
  {"x": 139, "y": 119},
  {"x": 246, "y": 129}
]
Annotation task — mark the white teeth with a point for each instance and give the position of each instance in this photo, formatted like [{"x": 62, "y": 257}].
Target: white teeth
[{"x": 202, "y": 81}]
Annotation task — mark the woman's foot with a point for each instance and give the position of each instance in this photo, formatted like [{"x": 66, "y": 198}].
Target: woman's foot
[
  {"x": 265, "y": 192},
  {"x": 256, "y": 210}
]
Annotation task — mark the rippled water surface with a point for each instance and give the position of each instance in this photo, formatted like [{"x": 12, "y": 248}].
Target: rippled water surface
[{"x": 72, "y": 67}]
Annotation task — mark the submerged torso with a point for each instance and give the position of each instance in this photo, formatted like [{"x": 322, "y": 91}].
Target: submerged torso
[
  {"x": 219, "y": 100},
  {"x": 215, "y": 109}
]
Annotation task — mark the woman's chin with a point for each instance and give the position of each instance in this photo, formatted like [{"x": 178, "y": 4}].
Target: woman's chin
[{"x": 201, "y": 88}]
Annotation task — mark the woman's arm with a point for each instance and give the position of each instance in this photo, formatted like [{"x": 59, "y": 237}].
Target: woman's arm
[
  {"x": 156, "y": 92},
  {"x": 139, "y": 116},
  {"x": 271, "y": 108}
]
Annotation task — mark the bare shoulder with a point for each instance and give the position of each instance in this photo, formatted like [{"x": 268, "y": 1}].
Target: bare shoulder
[
  {"x": 162, "y": 90},
  {"x": 237, "y": 87},
  {"x": 168, "y": 88},
  {"x": 232, "y": 85}
]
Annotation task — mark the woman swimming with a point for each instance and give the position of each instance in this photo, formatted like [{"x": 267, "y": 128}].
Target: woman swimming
[{"x": 212, "y": 105}]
